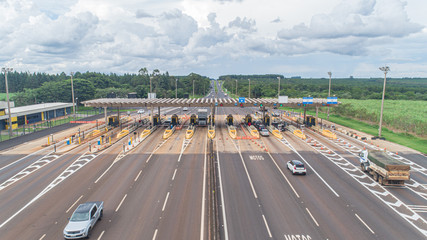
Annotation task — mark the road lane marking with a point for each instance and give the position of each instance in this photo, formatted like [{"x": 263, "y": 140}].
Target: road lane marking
[
  {"x": 314, "y": 220},
  {"x": 74, "y": 204},
  {"x": 366, "y": 225},
  {"x": 100, "y": 236},
  {"x": 173, "y": 177},
  {"x": 140, "y": 171},
  {"x": 155, "y": 234},
  {"x": 120, "y": 204},
  {"x": 246, "y": 170},
  {"x": 17, "y": 161},
  {"x": 44, "y": 235},
  {"x": 266, "y": 225},
  {"x": 283, "y": 174},
  {"x": 166, "y": 200},
  {"x": 224, "y": 218},
  {"x": 202, "y": 221},
  {"x": 284, "y": 141}
]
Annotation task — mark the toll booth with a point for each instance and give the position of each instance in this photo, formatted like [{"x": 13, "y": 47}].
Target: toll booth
[
  {"x": 229, "y": 120},
  {"x": 156, "y": 120},
  {"x": 174, "y": 120},
  {"x": 310, "y": 121},
  {"x": 267, "y": 120},
  {"x": 248, "y": 119},
  {"x": 113, "y": 121},
  {"x": 193, "y": 119},
  {"x": 211, "y": 120}
]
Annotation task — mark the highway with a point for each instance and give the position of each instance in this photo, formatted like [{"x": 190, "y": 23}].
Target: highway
[{"x": 161, "y": 189}]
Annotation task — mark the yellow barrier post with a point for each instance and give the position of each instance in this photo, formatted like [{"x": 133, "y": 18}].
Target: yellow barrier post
[
  {"x": 109, "y": 138},
  {"x": 48, "y": 141},
  {"x": 79, "y": 140},
  {"x": 100, "y": 140}
]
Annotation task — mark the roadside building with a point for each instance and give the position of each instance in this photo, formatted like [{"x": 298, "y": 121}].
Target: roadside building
[{"x": 32, "y": 113}]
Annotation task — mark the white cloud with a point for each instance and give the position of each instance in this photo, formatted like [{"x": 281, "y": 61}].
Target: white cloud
[{"x": 184, "y": 36}]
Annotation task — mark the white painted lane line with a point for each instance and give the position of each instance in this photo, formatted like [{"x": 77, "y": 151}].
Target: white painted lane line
[
  {"x": 246, "y": 170},
  {"x": 155, "y": 234},
  {"x": 314, "y": 220},
  {"x": 100, "y": 236},
  {"x": 74, "y": 203},
  {"x": 120, "y": 204},
  {"x": 366, "y": 225},
  {"x": 280, "y": 170},
  {"x": 104, "y": 172},
  {"x": 140, "y": 171},
  {"x": 202, "y": 221},
  {"x": 44, "y": 235},
  {"x": 166, "y": 200},
  {"x": 17, "y": 161},
  {"x": 266, "y": 225},
  {"x": 173, "y": 177},
  {"x": 224, "y": 217},
  {"x": 318, "y": 175}
]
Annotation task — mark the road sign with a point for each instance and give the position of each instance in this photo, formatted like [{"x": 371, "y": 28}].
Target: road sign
[
  {"x": 307, "y": 100},
  {"x": 332, "y": 100},
  {"x": 241, "y": 100},
  {"x": 283, "y": 99},
  {"x": 151, "y": 95}
]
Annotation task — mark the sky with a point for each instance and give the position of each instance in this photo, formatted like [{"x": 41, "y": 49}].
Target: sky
[{"x": 306, "y": 38}]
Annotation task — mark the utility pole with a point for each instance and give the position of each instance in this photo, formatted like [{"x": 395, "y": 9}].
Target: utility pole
[
  {"x": 278, "y": 89},
  {"x": 176, "y": 87},
  {"x": 249, "y": 88},
  {"x": 151, "y": 78},
  {"x": 385, "y": 70},
  {"x": 329, "y": 92},
  {"x": 72, "y": 95},
  {"x": 6, "y": 70},
  {"x": 193, "y": 88},
  {"x": 236, "y": 87}
]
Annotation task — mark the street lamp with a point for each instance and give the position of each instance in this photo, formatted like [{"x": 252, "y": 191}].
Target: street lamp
[
  {"x": 193, "y": 88},
  {"x": 249, "y": 88},
  {"x": 385, "y": 69},
  {"x": 151, "y": 78},
  {"x": 176, "y": 87},
  {"x": 329, "y": 92},
  {"x": 72, "y": 96},
  {"x": 278, "y": 89},
  {"x": 236, "y": 87},
  {"x": 6, "y": 70}
]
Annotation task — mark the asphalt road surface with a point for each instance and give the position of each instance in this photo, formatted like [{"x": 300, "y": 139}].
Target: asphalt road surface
[{"x": 160, "y": 189}]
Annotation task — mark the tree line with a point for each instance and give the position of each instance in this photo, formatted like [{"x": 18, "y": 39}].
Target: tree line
[
  {"x": 31, "y": 88},
  {"x": 348, "y": 88}
]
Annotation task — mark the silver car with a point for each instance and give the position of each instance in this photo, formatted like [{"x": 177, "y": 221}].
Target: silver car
[{"x": 83, "y": 220}]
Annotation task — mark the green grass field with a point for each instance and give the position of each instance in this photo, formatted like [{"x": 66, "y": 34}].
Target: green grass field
[{"x": 397, "y": 114}]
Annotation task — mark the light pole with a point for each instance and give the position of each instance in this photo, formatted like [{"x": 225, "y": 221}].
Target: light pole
[
  {"x": 278, "y": 89},
  {"x": 193, "y": 88},
  {"x": 72, "y": 96},
  {"x": 6, "y": 70},
  {"x": 249, "y": 88},
  {"x": 385, "y": 70},
  {"x": 151, "y": 78},
  {"x": 176, "y": 87},
  {"x": 329, "y": 92},
  {"x": 236, "y": 87}
]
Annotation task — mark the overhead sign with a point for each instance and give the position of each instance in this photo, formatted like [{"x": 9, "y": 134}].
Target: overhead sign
[
  {"x": 283, "y": 99},
  {"x": 332, "y": 100},
  {"x": 307, "y": 100},
  {"x": 241, "y": 100}
]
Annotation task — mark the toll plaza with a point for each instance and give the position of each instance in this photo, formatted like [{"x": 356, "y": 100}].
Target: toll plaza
[{"x": 211, "y": 103}]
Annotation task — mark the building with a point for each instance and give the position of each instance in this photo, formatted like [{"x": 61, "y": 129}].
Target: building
[{"x": 32, "y": 113}]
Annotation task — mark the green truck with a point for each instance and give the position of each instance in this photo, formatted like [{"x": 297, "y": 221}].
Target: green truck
[{"x": 383, "y": 168}]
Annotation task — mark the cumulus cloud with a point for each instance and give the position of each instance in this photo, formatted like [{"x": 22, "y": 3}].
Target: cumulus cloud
[
  {"x": 142, "y": 14},
  {"x": 246, "y": 24},
  {"x": 177, "y": 26}
]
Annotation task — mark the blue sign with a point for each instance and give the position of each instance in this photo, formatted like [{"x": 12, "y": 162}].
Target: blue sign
[
  {"x": 216, "y": 104},
  {"x": 332, "y": 100},
  {"x": 241, "y": 100},
  {"x": 255, "y": 104},
  {"x": 235, "y": 104},
  {"x": 307, "y": 100}
]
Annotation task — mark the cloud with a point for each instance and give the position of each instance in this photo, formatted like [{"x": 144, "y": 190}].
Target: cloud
[
  {"x": 246, "y": 24},
  {"x": 177, "y": 26},
  {"x": 362, "y": 18},
  {"x": 142, "y": 14},
  {"x": 277, "y": 20}
]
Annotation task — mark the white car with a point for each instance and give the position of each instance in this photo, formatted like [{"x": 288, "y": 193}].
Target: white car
[
  {"x": 185, "y": 109},
  {"x": 141, "y": 111},
  {"x": 83, "y": 220},
  {"x": 296, "y": 167},
  {"x": 264, "y": 132}
]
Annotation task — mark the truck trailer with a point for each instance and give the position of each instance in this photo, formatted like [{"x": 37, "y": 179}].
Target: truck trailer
[
  {"x": 202, "y": 117},
  {"x": 383, "y": 168}
]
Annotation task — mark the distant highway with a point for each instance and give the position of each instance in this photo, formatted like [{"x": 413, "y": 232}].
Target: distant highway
[{"x": 162, "y": 189}]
